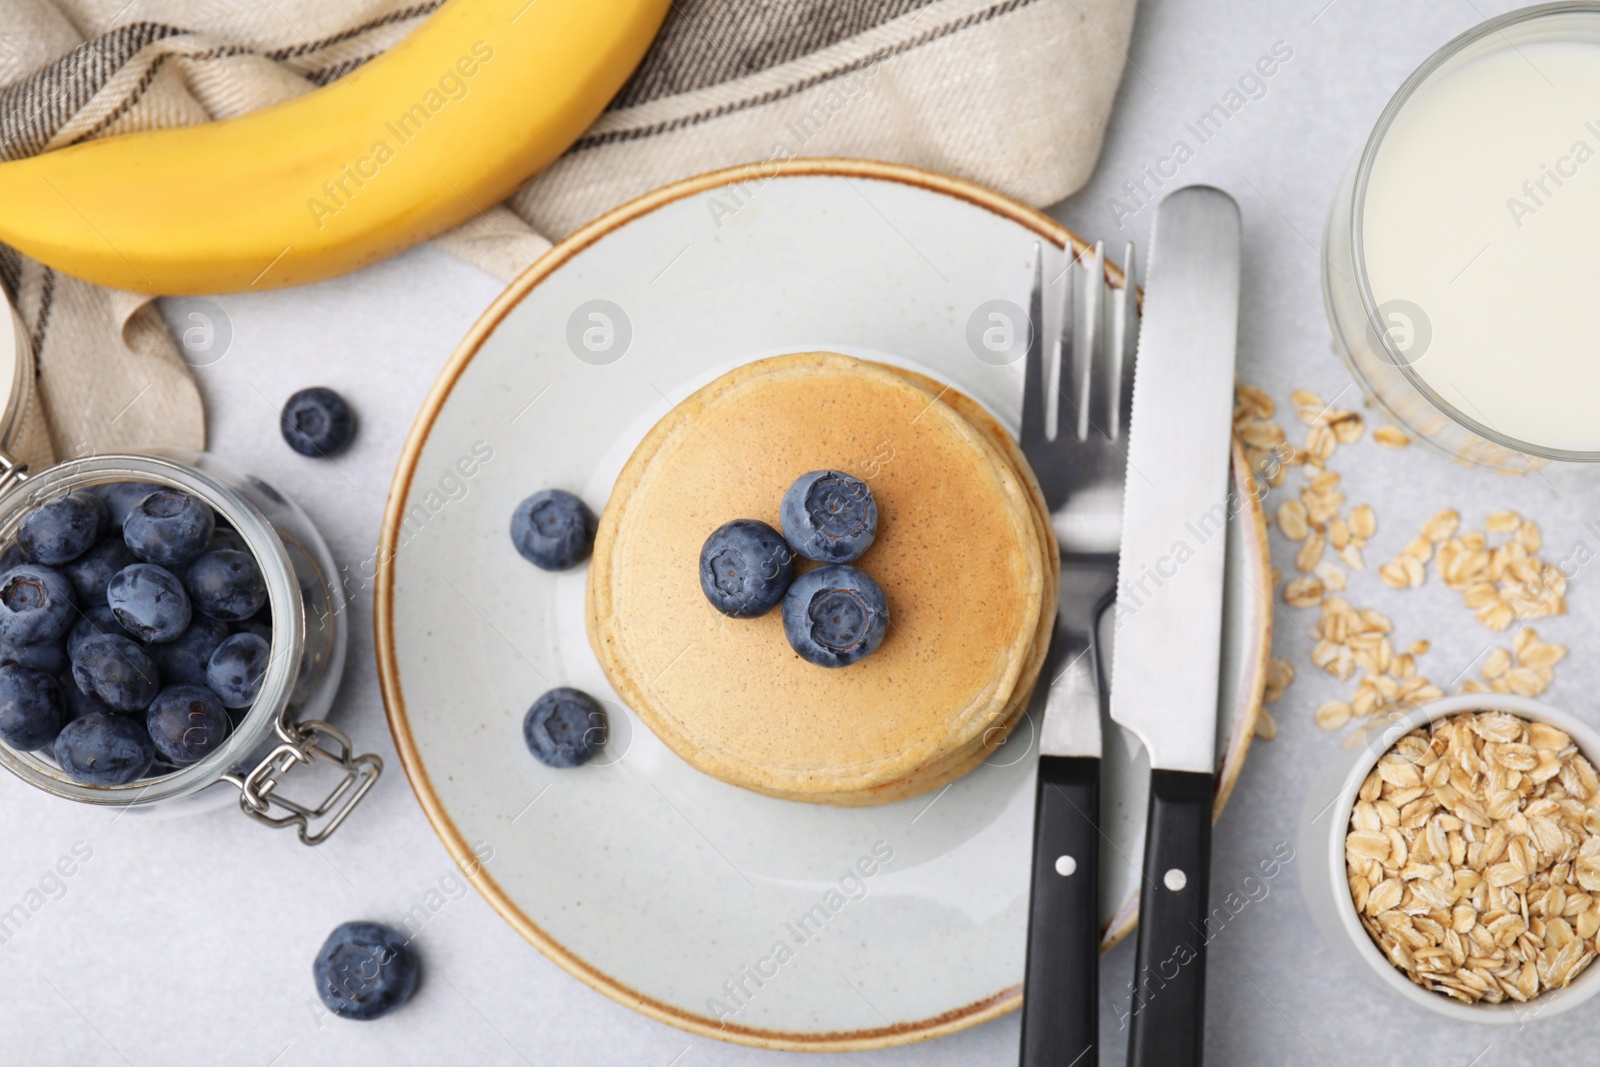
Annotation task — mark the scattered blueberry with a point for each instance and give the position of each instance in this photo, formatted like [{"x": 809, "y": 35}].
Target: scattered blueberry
[
  {"x": 364, "y": 971},
  {"x": 745, "y": 567},
  {"x": 91, "y": 572},
  {"x": 32, "y": 711},
  {"x": 317, "y": 422},
  {"x": 101, "y": 749},
  {"x": 226, "y": 584},
  {"x": 184, "y": 661},
  {"x": 553, "y": 530},
  {"x": 48, "y": 656},
  {"x": 149, "y": 602},
  {"x": 186, "y": 722},
  {"x": 835, "y": 615},
  {"x": 829, "y": 516},
  {"x": 116, "y": 671},
  {"x": 78, "y": 703},
  {"x": 564, "y": 728},
  {"x": 36, "y": 604},
  {"x": 121, "y": 498},
  {"x": 62, "y": 529},
  {"x": 236, "y": 669},
  {"x": 95, "y": 620},
  {"x": 169, "y": 527},
  {"x": 12, "y": 557}
]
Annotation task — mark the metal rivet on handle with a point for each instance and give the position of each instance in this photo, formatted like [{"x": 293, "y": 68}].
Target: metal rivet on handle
[
  {"x": 1065, "y": 866},
  {"x": 1175, "y": 880}
]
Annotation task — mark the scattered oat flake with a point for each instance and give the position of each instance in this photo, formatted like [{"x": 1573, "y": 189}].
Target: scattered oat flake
[
  {"x": 1303, "y": 592},
  {"x": 1502, "y": 522},
  {"x": 1266, "y": 725},
  {"x": 1442, "y": 526},
  {"x": 1292, "y": 520},
  {"x": 1363, "y": 521},
  {"x": 1347, "y": 426},
  {"x": 1308, "y": 405},
  {"x": 1331, "y": 716},
  {"x": 1253, "y": 402},
  {"x": 1279, "y": 676}
]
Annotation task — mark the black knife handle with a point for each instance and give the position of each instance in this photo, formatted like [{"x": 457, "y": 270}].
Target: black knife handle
[
  {"x": 1061, "y": 984},
  {"x": 1169, "y": 998}
]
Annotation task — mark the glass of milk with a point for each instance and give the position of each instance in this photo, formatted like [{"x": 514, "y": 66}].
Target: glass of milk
[{"x": 1461, "y": 263}]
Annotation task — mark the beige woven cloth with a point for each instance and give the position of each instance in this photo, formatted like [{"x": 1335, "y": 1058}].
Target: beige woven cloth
[{"x": 1010, "y": 93}]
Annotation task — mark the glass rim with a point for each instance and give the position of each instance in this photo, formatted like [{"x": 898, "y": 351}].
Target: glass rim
[
  {"x": 268, "y": 710},
  {"x": 1397, "y": 103}
]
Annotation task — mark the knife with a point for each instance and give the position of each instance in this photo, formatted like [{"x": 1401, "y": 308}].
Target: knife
[{"x": 1168, "y": 637}]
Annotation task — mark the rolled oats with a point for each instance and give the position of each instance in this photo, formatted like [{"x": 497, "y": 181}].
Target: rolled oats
[{"x": 1473, "y": 857}]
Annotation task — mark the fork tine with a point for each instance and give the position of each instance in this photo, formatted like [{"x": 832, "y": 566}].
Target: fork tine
[
  {"x": 1072, "y": 377},
  {"x": 1033, "y": 371},
  {"x": 1100, "y": 406},
  {"x": 1126, "y": 304}
]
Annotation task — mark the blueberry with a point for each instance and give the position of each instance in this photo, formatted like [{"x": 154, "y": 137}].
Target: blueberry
[
  {"x": 121, "y": 498},
  {"x": 364, "y": 971},
  {"x": 226, "y": 584},
  {"x": 12, "y": 557},
  {"x": 36, "y": 605},
  {"x": 236, "y": 669},
  {"x": 835, "y": 615},
  {"x": 169, "y": 527},
  {"x": 186, "y": 723},
  {"x": 91, "y": 572},
  {"x": 317, "y": 422},
  {"x": 553, "y": 530},
  {"x": 62, "y": 529},
  {"x": 78, "y": 703},
  {"x": 116, "y": 671},
  {"x": 829, "y": 516},
  {"x": 47, "y": 656},
  {"x": 95, "y": 620},
  {"x": 564, "y": 728},
  {"x": 32, "y": 709},
  {"x": 184, "y": 661},
  {"x": 101, "y": 749},
  {"x": 149, "y": 602},
  {"x": 225, "y": 538},
  {"x": 745, "y": 567},
  {"x": 260, "y": 625}
]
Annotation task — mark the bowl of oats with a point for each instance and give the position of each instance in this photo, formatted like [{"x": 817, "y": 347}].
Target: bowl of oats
[{"x": 1457, "y": 857}]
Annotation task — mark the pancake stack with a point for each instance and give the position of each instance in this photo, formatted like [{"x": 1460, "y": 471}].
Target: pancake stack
[{"x": 964, "y": 553}]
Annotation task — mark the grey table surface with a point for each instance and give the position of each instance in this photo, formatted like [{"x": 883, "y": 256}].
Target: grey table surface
[{"x": 189, "y": 941}]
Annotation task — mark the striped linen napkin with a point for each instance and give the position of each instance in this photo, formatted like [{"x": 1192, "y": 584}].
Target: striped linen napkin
[{"x": 1013, "y": 94}]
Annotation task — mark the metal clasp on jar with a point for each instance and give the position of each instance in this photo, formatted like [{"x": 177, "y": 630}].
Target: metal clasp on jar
[
  {"x": 257, "y": 796},
  {"x": 12, "y": 472}
]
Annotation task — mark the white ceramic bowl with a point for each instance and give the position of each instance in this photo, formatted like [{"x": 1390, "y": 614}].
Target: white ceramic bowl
[{"x": 1325, "y": 820}]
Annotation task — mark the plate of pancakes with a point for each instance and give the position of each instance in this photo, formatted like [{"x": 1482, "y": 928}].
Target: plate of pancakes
[{"x": 763, "y": 851}]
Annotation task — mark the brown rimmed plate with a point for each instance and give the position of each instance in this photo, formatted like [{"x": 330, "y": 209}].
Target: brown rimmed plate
[{"x": 728, "y": 914}]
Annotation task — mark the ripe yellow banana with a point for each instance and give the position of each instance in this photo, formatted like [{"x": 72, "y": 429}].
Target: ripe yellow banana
[{"x": 449, "y": 121}]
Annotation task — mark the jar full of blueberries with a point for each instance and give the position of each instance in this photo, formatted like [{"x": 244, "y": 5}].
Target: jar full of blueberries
[{"x": 172, "y": 632}]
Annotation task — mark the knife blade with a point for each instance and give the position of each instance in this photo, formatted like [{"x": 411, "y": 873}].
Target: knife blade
[{"x": 1168, "y": 623}]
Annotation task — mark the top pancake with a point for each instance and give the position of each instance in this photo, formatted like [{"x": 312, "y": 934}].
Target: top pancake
[{"x": 958, "y": 554}]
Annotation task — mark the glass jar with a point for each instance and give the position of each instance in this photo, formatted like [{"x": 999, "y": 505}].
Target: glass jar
[
  {"x": 1384, "y": 341},
  {"x": 286, "y": 725}
]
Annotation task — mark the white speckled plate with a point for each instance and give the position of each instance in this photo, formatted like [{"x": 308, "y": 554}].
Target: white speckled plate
[{"x": 732, "y": 915}]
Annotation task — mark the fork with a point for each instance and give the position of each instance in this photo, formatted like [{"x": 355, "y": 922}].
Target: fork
[{"x": 1080, "y": 462}]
